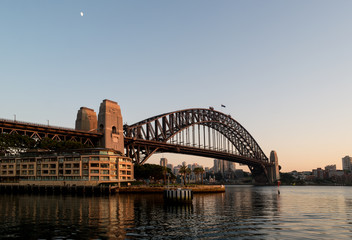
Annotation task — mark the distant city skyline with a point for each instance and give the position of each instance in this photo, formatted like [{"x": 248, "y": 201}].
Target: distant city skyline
[{"x": 281, "y": 68}]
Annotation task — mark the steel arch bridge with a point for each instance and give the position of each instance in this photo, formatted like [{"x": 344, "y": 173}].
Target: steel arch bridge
[{"x": 200, "y": 132}]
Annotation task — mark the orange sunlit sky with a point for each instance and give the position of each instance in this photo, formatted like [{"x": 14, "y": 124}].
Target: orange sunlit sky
[{"x": 282, "y": 68}]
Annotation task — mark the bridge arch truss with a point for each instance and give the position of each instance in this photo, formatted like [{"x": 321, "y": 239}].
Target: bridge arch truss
[{"x": 203, "y": 132}]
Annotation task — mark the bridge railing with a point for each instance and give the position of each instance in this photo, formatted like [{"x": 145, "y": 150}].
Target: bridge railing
[{"x": 35, "y": 124}]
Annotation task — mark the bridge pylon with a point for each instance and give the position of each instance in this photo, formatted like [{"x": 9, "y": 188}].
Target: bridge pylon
[
  {"x": 111, "y": 125},
  {"x": 273, "y": 170}
]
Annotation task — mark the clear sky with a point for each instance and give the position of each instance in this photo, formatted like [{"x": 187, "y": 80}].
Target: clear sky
[{"x": 282, "y": 68}]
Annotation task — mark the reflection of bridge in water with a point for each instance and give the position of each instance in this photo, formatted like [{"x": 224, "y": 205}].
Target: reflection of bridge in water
[{"x": 199, "y": 132}]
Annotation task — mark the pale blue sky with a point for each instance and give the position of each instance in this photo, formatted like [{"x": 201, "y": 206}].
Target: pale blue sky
[{"x": 282, "y": 68}]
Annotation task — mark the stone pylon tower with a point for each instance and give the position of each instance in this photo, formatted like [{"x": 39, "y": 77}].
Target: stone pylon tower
[
  {"x": 86, "y": 120},
  {"x": 111, "y": 125},
  {"x": 275, "y": 169}
]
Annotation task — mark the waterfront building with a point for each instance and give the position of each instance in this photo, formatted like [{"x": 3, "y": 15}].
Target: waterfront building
[
  {"x": 73, "y": 167},
  {"x": 330, "y": 167},
  {"x": 346, "y": 163},
  {"x": 318, "y": 173}
]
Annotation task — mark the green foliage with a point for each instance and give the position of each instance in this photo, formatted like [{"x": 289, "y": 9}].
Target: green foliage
[
  {"x": 286, "y": 178},
  {"x": 147, "y": 171},
  {"x": 199, "y": 173},
  {"x": 50, "y": 144},
  {"x": 16, "y": 143}
]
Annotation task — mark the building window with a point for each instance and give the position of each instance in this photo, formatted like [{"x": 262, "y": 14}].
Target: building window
[
  {"x": 94, "y": 165},
  {"x": 94, "y": 171},
  {"x": 113, "y": 129},
  {"x": 105, "y": 171},
  {"x": 94, "y": 178},
  {"x": 105, "y": 178},
  {"x": 76, "y": 165},
  {"x": 104, "y": 165}
]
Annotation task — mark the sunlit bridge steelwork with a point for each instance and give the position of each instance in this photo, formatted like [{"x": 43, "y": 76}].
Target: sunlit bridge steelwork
[{"x": 200, "y": 132}]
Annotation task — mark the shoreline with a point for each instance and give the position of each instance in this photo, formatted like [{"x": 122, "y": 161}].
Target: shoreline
[
  {"x": 54, "y": 189},
  {"x": 161, "y": 189}
]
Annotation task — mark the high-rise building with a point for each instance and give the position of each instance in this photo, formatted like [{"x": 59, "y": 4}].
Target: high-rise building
[
  {"x": 224, "y": 166},
  {"x": 171, "y": 167},
  {"x": 229, "y": 166},
  {"x": 163, "y": 162},
  {"x": 346, "y": 163},
  {"x": 217, "y": 165}
]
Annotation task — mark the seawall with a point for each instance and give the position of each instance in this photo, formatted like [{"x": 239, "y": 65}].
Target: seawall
[{"x": 195, "y": 189}]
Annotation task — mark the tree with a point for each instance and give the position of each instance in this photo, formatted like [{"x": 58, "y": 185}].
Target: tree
[
  {"x": 199, "y": 172},
  {"x": 15, "y": 143},
  {"x": 188, "y": 172},
  {"x": 183, "y": 171},
  {"x": 146, "y": 171}
]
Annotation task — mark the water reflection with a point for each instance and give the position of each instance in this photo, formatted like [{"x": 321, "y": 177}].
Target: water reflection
[
  {"x": 48, "y": 216},
  {"x": 242, "y": 213}
]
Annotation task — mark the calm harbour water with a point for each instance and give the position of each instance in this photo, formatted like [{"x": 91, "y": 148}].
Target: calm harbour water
[{"x": 243, "y": 212}]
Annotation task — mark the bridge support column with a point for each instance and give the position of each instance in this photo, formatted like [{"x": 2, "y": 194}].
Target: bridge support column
[
  {"x": 111, "y": 125},
  {"x": 260, "y": 175},
  {"x": 275, "y": 168},
  {"x": 86, "y": 120}
]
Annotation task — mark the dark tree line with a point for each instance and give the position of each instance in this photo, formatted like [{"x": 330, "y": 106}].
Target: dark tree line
[
  {"x": 147, "y": 171},
  {"x": 16, "y": 143}
]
